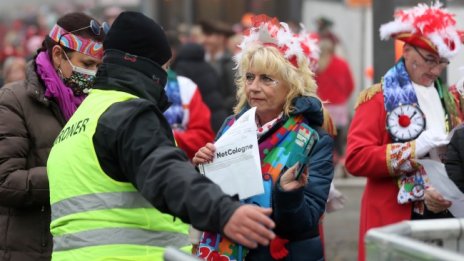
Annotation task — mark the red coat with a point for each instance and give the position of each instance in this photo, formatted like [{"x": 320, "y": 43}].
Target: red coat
[
  {"x": 367, "y": 151},
  {"x": 335, "y": 83}
]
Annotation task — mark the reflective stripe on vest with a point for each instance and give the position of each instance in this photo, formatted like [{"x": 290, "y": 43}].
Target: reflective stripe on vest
[
  {"x": 98, "y": 201},
  {"x": 109, "y": 236}
]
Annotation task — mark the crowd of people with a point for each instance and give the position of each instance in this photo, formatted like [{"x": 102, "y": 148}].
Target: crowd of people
[{"x": 103, "y": 128}]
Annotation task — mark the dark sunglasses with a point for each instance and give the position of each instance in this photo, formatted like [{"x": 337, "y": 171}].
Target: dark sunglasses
[
  {"x": 94, "y": 26},
  {"x": 97, "y": 28}
]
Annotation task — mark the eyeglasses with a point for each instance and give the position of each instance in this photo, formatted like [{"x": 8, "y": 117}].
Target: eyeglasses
[
  {"x": 432, "y": 63},
  {"x": 94, "y": 26},
  {"x": 264, "y": 80}
]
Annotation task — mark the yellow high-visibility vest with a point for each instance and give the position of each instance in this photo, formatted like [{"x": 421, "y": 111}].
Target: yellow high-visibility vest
[{"x": 95, "y": 217}]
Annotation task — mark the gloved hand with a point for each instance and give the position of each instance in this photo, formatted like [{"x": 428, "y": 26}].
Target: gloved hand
[{"x": 428, "y": 140}]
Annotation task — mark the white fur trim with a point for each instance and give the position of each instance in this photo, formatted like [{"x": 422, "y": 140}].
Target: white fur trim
[{"x": 395, "y": 27}]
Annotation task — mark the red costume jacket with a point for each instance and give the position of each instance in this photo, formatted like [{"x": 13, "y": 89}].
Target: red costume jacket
[{"x": 371, "y": 154}]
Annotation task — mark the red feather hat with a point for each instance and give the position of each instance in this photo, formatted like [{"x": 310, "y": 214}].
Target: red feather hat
[{"x": 428, "y": 27}]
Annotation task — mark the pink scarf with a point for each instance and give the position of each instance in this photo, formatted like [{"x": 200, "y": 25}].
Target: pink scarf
[{"x": 55, "y": 88}]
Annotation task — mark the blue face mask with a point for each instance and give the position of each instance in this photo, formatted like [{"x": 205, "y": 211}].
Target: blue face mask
[{"x": 81, "y": 80}]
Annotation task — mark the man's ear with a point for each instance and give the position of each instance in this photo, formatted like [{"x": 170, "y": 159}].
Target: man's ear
[
  {"x": 406, "y": 50},
  {"x": 57, "y": 56}
]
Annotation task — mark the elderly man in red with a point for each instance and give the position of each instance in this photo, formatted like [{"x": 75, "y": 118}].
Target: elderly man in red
[{"x": 404, "y": 118}]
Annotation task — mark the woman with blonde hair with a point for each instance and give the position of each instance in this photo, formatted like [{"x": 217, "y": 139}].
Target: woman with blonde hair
[{"x": 274, "y": 76}]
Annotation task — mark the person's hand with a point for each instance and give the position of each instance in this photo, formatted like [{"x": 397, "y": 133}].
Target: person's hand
[
  {"x": 195, "y": 249},
  {"x": 204, "y": 155},
  {"x": 288, "y": 181},
  {"x": 250, "y": 225},
  {"x": 428, "y": 140},
  {"x": 435, "y": 202}
]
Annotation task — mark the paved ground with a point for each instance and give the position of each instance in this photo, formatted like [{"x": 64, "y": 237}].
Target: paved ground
[{"x": 341, "y": 227}]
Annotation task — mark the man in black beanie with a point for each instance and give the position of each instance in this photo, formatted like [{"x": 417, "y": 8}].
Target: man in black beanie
[{"x": 114, "y": 170}]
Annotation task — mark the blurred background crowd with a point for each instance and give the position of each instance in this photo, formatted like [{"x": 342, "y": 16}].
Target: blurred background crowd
[
  {"x": 204, "y": 35},
  {"x": 208, "y": 32}
]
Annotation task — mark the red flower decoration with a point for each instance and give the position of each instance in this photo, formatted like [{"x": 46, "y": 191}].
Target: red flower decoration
[
  {"x": 215, "y": 256},
  {"x": 277, "y": 248},
  {"x": 404, "y": 121},
  {"x": 203, "y": 252}
]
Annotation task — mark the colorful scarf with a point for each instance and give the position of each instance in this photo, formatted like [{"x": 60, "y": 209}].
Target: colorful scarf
[
  {"x": 277, "y": 153},
  {"x": 175, "y": 113},
  {"x": 55, "y": 88},
  {"x": 398, "y": 89}
]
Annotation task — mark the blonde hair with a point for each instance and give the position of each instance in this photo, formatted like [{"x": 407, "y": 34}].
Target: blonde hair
[{"x": 269, "y": 60}]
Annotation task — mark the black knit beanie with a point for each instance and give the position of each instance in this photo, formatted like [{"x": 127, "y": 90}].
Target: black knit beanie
[{"x": 134, "y": 33}]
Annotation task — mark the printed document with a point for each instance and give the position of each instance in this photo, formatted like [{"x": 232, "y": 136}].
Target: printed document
[
  {"x": 236, "y": 166},
  {"x": 441, "y": 182}
]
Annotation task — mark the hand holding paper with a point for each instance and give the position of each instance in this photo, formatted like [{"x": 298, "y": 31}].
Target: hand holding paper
[
  {"x": 440, "y": 181},
  {"x": 435, "y": 202},
  {"x": 204, "y": 154},
  {"x": 235, "y": 166}
]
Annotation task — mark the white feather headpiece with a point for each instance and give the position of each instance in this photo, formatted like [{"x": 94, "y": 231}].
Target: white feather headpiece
[{"x": 270, "y": 32}]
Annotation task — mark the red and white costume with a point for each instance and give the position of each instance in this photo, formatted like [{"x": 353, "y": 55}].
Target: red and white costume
[
  {"x": 196, "y": 121},
  {"x": 370, "y": 150}
]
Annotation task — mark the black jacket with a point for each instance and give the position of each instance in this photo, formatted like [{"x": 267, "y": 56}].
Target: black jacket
[
  {"x": 190, "y": 62},
  {"x": 134, "y": 143},
  {"x": 455, "y": 159}
]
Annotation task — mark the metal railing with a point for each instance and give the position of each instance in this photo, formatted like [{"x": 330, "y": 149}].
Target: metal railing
[{"x": 434, "y": 239}]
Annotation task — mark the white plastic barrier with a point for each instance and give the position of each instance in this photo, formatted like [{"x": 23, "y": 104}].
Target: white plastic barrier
[
  {"x": 174, "y": 254},
  {"x": 433, "y": 239}
]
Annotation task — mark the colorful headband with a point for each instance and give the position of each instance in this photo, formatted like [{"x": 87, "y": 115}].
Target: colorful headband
[
  {"x": 77, "y": 43},
  {"x": 428, "y": 27},
  {"x": 268, "y": 31}
]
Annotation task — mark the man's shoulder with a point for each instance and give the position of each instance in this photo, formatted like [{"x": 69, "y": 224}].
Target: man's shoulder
[
  {"x": 120, "y": 112},
  {"x": 368, "y": 94}
]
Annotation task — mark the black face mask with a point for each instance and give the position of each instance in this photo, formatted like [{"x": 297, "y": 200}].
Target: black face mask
[{"x": 81, "y": 79}]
